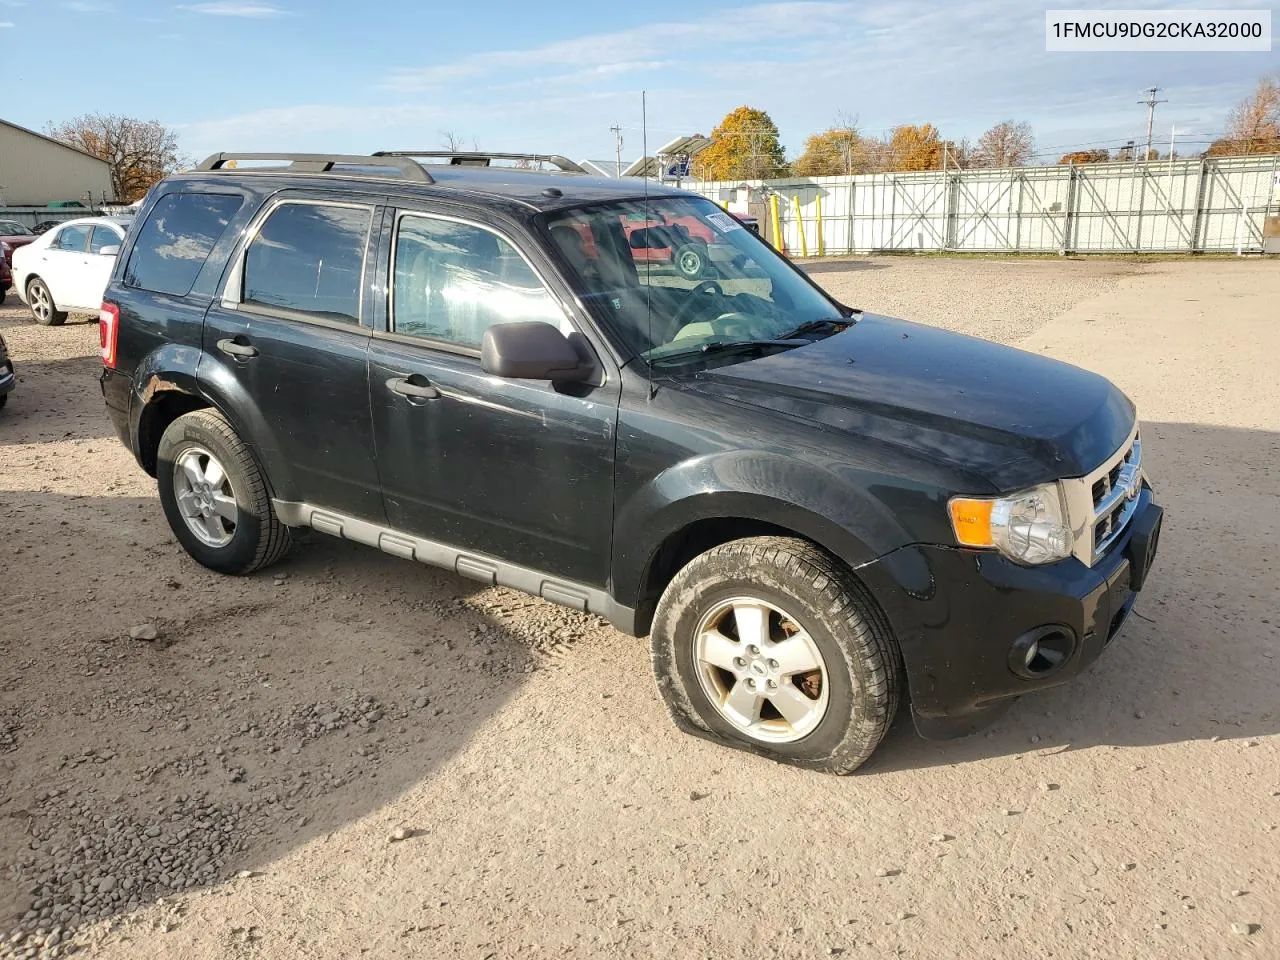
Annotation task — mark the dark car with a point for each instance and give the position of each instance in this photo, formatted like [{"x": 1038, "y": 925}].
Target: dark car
[
  {"x": 6, "y": 278},
  {"x": 13, "y": 235},
  {"x": 8, "y": 378},
  {"x": 44, "y": 226},
  {"x": 811, "y": 510}
]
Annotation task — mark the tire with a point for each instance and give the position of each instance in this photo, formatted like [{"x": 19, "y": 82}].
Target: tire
[
  {"x": 851, "y": 699},
  {"x": 43, "y": 308},
  {"x": 691, "y": 261},
  {"x": 191, "y": 447}
]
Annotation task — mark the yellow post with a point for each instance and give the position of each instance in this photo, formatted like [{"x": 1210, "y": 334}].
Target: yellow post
[
  {"x": 817, "y": 206},
  {"x": 804, "y": 244},
  {"x": 777, "y": 224}
]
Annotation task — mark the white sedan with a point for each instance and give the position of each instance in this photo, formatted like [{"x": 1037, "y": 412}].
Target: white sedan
[{"x": 66, "y": 270}]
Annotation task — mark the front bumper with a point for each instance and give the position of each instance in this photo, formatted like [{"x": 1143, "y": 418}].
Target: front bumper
[{"x": 962, "y": 617}]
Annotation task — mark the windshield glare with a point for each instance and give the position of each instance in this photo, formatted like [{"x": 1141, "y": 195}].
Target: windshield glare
[
  {"x": 708, "y": 278},
  {"x": 11, "y": 228}
]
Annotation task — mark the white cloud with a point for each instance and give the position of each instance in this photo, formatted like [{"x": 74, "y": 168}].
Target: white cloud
[
  {"x": 6, "y": 24},
  {"x": 961, "y": 66},
  {"x": 88, "y": 6},
  {"x": 249, "y": 9},
  {"x": 312, "y": 127}
]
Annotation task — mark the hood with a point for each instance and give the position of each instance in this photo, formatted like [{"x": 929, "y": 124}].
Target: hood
[{"x": 1011, "y": 417}]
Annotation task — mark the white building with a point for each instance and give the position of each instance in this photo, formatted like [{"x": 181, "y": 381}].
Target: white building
[{"x": 36, "y": 170}]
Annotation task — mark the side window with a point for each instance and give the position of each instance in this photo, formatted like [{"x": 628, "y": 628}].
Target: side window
[
  {"x": 71, "y": 239},
  {"x": 103, "y": 237},
  {"x": 309, "y": 258},
  {"x": 452, "y": 281},
  {"x": 176, "y": 240}
]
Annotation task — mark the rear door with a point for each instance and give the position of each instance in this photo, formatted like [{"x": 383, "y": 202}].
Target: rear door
[
  {"x": 520, "y": 470},
  {"x": 91, "y": 279},
  {"x": 291, "y": 331}
]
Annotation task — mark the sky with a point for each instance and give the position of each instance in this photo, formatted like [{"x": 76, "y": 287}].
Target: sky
[{"x": 353, "y": 76}]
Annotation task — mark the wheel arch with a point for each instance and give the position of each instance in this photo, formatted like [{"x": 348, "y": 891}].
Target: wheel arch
[
  {"x": 699, "y": 523},
  {"x": 167, "y": 385}
]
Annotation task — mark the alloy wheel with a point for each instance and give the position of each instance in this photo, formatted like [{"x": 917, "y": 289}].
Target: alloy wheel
[
  {"x": 761, "y": 670},
  {"x": 205, "y": 497}
]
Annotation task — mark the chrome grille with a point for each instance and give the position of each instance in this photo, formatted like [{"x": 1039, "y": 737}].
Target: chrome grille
[{"x": 1102, "y": 504}]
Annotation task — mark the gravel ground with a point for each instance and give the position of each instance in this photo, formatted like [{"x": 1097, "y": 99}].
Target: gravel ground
[{"x": 349, "y": 754}]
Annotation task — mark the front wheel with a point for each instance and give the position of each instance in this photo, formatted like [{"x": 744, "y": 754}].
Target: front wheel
[
  {"x": 771, "y": 645},
  {"x": 691, "y": 261},
  {"x": 215, "y": 496},
  {"x": 43, "y": 308}
]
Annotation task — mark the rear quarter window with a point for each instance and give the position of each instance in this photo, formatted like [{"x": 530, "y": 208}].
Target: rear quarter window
[{"x": 174, "y": 242}]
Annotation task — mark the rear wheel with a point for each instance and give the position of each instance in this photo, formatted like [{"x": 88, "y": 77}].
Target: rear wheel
[
  {"x": 215, "y": 496},
  {"x": 43, "y": 308},
  {"x": 771, "y": 645}
]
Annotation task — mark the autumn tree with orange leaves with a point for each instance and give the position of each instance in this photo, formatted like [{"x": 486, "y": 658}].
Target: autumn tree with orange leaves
[
  {"x": 139, "y": 152},
  {"x": 745, "y": 146}
]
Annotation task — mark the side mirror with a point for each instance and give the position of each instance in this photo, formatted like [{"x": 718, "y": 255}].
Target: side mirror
[
  {"x": 110, "y": 251},
  {"x": 532, "y": 350}
]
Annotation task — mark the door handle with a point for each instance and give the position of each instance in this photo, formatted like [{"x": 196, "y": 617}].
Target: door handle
[
  {"x": 415, "y": 391},
  {"x": 237, "y": 348}
]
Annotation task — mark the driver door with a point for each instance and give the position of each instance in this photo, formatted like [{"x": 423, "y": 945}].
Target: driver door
[{"x": 520, "y": 470}]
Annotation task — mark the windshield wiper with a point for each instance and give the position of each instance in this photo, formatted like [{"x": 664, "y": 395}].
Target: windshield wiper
[
  {"x": 826, "y": 325},
  {"x": 724, "y": 346}
]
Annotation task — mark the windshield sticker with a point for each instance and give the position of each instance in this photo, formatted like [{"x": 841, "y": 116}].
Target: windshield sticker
[{"x": 723, "y": 222}]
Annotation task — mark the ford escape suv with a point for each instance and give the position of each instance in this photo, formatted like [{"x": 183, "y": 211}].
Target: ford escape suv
[{"x": 812, "y": 511}]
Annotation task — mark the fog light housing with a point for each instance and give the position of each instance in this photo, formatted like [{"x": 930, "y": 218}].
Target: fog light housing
[{"x": 1042, "y": 652}]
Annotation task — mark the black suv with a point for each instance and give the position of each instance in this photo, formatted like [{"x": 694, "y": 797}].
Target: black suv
[{"x": 488, "y": 370}]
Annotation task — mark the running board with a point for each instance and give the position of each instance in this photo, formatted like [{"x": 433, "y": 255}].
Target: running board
[{"x": 473, "y": 565}]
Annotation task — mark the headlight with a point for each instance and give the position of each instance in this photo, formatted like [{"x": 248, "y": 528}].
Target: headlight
[{"x": 1028, "y": 527}]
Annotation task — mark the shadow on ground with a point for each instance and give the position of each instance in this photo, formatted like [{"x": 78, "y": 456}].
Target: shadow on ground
[
  {"x": 269, "y": 710},
  {"x": 55, "y": 400},
  {"x": 832, "y": 265}
]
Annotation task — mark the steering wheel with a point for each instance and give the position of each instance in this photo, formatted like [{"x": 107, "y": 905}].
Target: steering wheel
[{"x": 706, "y": 286}]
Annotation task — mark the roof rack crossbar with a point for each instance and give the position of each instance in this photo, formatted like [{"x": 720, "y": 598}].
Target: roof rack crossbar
[
  {"x": 482, "y": 157},
  {"x": 321, "y": 163}
]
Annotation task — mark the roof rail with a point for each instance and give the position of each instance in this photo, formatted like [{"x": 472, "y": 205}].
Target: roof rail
[
  {"x": 483, "y": 158},
  {"x": 320, "y": 163}
]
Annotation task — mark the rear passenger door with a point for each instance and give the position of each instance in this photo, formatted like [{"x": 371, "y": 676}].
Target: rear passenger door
[
  {"x": 291, "y": 332},
  {"x": 521, "y": 470}
]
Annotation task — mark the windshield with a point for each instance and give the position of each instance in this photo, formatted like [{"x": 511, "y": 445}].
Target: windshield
[
  {"x": 709, "y": 279},
  {"x": 12, "y": 228}
]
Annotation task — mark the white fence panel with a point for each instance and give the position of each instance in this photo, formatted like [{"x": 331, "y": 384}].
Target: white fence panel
[{"x": 1214, "y": 205}]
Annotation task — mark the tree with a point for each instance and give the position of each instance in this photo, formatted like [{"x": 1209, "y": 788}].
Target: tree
[
  {"x": 139, "y": 152},
  {"x": 1086, "y": 156},
  {"x": 834, "y": 152},
  {"x": 1254, "y": 125},
  {"x": 1007, "y": 144},
  {"x": 745, "y": 146},
  {"x": 915, "y": 148}
]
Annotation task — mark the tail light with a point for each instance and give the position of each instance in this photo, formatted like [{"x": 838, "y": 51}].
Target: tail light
[{"x": 109, "y": 333}]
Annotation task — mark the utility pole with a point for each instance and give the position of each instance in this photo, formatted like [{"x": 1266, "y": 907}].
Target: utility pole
[
  {"x": 616, "y": 130},
  {"x": 1151, "y": 102}
]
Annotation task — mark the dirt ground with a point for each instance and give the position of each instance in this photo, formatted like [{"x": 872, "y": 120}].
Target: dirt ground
[{"x": 236, "y": 787}]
